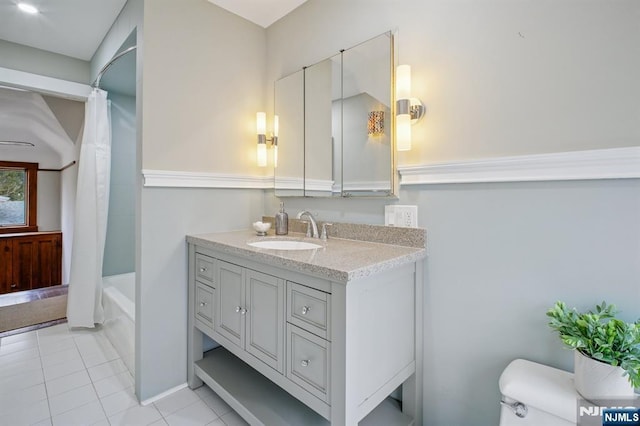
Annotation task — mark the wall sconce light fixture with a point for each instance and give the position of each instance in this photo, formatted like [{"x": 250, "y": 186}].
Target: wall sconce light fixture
[
  {"x": 375, "y": 124},
  {"x": 261, "y": 130},
  {"x": 408, "y": 110}
]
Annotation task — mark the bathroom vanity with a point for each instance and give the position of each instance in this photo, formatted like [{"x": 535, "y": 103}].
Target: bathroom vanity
[{"x": 310, "y": 337}]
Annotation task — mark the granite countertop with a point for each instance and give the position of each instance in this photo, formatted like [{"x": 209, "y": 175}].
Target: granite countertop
[{"x": 338, "y": 259}]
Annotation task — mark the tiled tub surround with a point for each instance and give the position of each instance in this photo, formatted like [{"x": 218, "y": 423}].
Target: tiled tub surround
[{"x": 335, "y": 330}]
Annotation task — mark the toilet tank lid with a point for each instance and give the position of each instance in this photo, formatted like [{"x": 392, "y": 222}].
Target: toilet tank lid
[{"x": 542, "y": 387}]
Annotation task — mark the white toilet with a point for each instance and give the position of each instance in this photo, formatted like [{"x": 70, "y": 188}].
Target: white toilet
[{"x": 535, "y": 394}]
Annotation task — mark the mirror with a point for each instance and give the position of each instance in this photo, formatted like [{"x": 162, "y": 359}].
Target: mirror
[
  {"x": 336, "y": 124},
  {"x": 366, "y": 117},
  {"x": 322, "y": 89},
  {"x": 289, "y": 106}
]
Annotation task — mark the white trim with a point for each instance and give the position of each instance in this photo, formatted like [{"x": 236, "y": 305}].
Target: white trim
[
  {"x": 321, "y": 185},
  {"x": 283, "y": 183},
  {"x": 43, "y": 84},
  {"x": 163, "y": 394},
  {"x": 368, "y": 186},
  {"x": 614, "y": 163},
  {"x": 176, "y": 179}
]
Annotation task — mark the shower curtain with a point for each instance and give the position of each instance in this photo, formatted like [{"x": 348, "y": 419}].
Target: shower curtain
[{"x": 84, "y": 300}]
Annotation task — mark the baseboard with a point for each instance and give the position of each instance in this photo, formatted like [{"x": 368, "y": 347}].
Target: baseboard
[{"x": 163, "y": 394}]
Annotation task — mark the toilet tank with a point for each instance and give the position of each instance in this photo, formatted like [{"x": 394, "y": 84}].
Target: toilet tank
[{"x": 535, "y": 394}]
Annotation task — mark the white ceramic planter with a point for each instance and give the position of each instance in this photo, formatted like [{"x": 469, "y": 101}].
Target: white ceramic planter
[{"x": 598, "y": 380}]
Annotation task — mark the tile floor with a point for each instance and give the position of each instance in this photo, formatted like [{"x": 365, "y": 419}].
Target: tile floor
[{"x": 53, "y": 376}]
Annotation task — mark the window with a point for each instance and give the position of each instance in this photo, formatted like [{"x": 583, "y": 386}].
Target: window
[{"x": 18, "y": 195}]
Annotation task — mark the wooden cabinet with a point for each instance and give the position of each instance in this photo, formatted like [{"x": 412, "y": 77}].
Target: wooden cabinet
[
  {"x": 30, "y": 260},
  {"x": 302, "y": 349},
  {"x": 6, "y": 265}
]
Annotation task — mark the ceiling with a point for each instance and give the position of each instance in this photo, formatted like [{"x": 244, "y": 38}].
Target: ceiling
[
  {"x": 76, "y": 28},
  {"x": 69, "y": 27},
  {"x": 27, "y": 117},
  {"x": 261, "y": 12}
]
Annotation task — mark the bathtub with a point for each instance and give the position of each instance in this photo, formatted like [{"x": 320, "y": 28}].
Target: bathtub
[{"x": 118, "y": 301}]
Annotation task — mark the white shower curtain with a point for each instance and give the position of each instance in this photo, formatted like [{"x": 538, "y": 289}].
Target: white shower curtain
[{"x": 84, "y": 300}]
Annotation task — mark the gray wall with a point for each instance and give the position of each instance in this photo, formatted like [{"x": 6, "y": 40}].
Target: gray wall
[
  {"x": 499, "y": 256},
  {"x": 24, "y": 58},
  {"x": 498, "y": 77},
  {"x": 161, "y": 310},
  {"x": 119, "y": 251}
]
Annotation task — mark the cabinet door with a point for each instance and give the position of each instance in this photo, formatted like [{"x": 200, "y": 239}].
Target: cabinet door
[
  {"x": 24, "y": 255},
  {"x": 6, "y": 266},
  {"x": 265, "y": 318},
  {"x": 231, "y": 310},
  {"x": 47, "y": 266}
]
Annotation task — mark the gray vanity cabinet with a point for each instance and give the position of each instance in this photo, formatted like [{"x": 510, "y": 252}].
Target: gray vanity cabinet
[
  {"x": 302, "y": 347},
  {"x": 249, "y": 311}
]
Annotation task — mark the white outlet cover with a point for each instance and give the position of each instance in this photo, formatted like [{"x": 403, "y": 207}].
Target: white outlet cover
[{"x": 401, "y": 215}]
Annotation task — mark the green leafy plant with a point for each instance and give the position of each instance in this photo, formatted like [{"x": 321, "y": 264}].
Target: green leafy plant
[{"x": 601, "y": 336}]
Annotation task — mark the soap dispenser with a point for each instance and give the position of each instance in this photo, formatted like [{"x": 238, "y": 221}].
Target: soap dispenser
[{"x": 282, "y": 221}]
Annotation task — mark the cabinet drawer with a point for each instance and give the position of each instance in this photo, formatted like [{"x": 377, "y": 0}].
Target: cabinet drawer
[
  {"x": 309, "y": 309},
  {"x": 308, "y": 361},
  {"x": 204, "y": 268},
  {"x": 204, "y": 303}
]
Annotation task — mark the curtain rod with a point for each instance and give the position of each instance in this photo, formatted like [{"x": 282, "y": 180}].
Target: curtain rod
[
  {"x": 96, "y": 82},
  {"x": 58, "y": 170}
]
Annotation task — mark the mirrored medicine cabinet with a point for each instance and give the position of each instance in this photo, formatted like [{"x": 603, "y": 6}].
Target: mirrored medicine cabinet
[{"x": 336, "y": 125}]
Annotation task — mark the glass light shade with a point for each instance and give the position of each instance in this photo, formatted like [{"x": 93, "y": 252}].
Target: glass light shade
[
  {"x": 261, "y": 123},
  {"x": 403, "y": 132},
  {"x": 403, "y": 82},
  {"x": 275, "y": 156},
  {"x": 262, "y": 155},
  {"x": 276, "y": 125}
]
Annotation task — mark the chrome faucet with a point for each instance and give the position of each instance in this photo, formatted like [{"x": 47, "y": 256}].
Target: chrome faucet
[{"x": 314, "y": 225}]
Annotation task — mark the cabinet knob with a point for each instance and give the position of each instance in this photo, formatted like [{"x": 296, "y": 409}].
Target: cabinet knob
[
  {"x": 203, "y": 304},
  {"x": 304, "y": 363},
  {"x": 14, "y": 285},
  {"x": 305, "y": 310},
  {"x": 243, "y": 311},
  {"x": 203, "y": 269},
  {"x": 238, "y": 308}
]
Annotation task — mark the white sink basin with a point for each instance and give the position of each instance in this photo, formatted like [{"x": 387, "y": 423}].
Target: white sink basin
[{"x": 284, "y": 245}]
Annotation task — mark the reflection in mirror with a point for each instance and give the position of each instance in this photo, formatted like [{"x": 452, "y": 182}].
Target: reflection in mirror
[
  {"x": 322, "y": 89},
  {"x": 289, "y": 106},
  {"x": 366, "y": 113}
]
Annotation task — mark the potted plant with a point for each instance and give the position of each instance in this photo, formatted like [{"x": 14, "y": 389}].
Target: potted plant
[{"x": 607, "y": 350}]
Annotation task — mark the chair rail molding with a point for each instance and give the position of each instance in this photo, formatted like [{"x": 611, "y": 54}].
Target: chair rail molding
[
  {"x": 180, "y": 179},
  {"x": 613, "y": 163}
]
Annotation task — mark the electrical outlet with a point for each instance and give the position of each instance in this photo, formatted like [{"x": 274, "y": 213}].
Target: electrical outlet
[{"x": 398, "y": 215}]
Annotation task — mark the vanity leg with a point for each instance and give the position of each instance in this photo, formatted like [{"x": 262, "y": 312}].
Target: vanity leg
[
  {"x": 194, "y": 354},
  {"x": 194, "y": 336},
  {"x": 412, "y": 387},
  {"x": 344, "y": 361}
]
